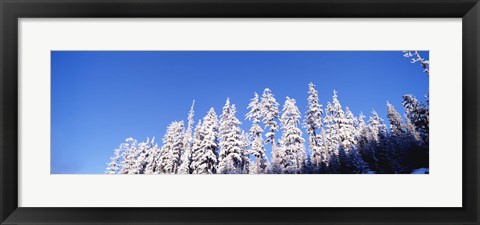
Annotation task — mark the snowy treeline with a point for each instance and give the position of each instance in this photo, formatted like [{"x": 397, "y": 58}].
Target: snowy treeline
[{"x": 338, "y": 141}]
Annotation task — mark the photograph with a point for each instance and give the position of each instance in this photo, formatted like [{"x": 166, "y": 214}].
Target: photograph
[{"x": 240, "y": 112}]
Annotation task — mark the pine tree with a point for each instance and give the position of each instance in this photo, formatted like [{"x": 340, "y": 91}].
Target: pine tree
[
  {"x": 269, "y": 109},
  {"x": 356, "y": 163},
  {"x": 153, "y": 158},
  {"x": 230, "y": 158},
  {"x": 377, "y": 132},
  {"x": 257, "y": 148},
  {"x": 353, "y": 163},
  {"x": 188, "y": 143},
  {"x": 361, "y": 130},
  {"x": 384, "y": 148},
  {"x": 397, "y": 126},
  {"x": 376, "y": 126},
  {"x": 293, "y": 148},
  {"x": 411, "y": 131},
  {"x": 204, "y": 152},
  {"x": 336, "y": 132},
  {"x": 142, "y": 155},
  {"x": 415, "y": 57},
  {"x": 197, "y": 151},
  {"x": 399, "y": 140},
  {"x": 312, "y": 123},
  {"x": 172, "y": 147},
  {"x": 245, "y": 155},
  {"x": 418, "y": 150},
  {"x": 366, "y": 144},
  {"x": 114, "y": 165},
  {"x": 129, "y": 164},
  {"x": 348, "y": 130},
  {"x": 418, "y": 114}
]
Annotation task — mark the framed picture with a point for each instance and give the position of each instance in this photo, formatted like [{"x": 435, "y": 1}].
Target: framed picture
[{"x": 251, "y": 112}]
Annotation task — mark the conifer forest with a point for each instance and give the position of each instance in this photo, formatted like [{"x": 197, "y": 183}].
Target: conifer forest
[{"x": 326, "y": 137}]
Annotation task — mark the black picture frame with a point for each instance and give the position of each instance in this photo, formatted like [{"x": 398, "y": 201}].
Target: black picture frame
[{"x": 12, "y": 10}]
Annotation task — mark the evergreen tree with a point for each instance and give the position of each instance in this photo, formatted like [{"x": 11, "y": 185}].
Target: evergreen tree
[
  {"x": 129, "y": 164},
  {"x": 418, "y": 150},
  {"x": 353, "y": 163},
  {"x": 375, "y": 131},
  {"x": 337, "y": 132},
  {"x": 293, "y": 148},
  {"x": 384, "y": 155},
  {"x": 313, "y": 122},
  {"x": 231, "y": 142},
  {"x": 397, "y": 126},
  {"x": 269, "y": 109},
  {"x": 188, "y": 142},
  {"x": 172, "y": 147},
  {"x": 204, "y": 152},
  {"x": 347, "y": 130},
  {"x": 418, "y": 114},
  {"x": 257, "y": 148},
  {"x": 399, "y": 140},
  {"x": 245, "y": 155},
  {"x": 376, "y": 126},
  {"x": 114, "y": 165},
  {"x": 197, "y": 151},
  {"x": 142, "y": 155},
  {"x": 411, "y": 131},
  {"x": 153, "y": 158},
  {"x": 366, "y": 143},
  {"x": 415, "y": 57}
]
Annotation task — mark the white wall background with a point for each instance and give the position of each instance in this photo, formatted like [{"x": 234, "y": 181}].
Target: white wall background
[{"x": 441, "y": 188}]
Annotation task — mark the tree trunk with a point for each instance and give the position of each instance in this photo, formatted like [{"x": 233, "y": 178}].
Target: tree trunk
[
  {"x": 274, "y": 149},
  {"x": 325, "y": 144}
]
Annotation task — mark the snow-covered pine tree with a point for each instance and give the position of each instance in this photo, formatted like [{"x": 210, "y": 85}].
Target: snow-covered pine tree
[
  {"x": 143, "y": 151},
  {"x": 415, "y": 57},
  {"x": 377, "y": 132},
  {"x": 361, "y": 131},
  {"x": 401, "y": 144},
  {"x": 129, "y": 163},
  {"x": 172, "y": 148},
  {"x": 331, "y": 135},
  {"x": 188, "y": 143},
  {"x": 153, "y": 158},
  {"x": 257, "y": 148},
  {"x": 397, "y": 127},
  {"x": 293, "y": 148},
  {"x": 376, "y": 126},
  {"x": 411, "y": 131},
  {"x": 204, "y": 152},
  {"x": 197, "y": 150},
  {"x": 418, "y": 113},
  {"x": 348, "y": 130},
  {"x": 354, "y": 162},
  {"x": 114, "y": 165},
  {"x": 312, "y": 123},
  {"x": 384, "y": 149},
  {"x": 269, "y": 109},
  {"x": 308, "y": 168},
  {"x": 337, "y": 132},
  {"x": 366, "y": 143},
  {"x": 245, "y": 155},
  {"x": 418, "y": 150},
  {"x": 231, "y": 142}
]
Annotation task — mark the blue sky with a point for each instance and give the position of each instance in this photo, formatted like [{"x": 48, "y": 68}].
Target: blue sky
[{"x": 99, "y": 98}]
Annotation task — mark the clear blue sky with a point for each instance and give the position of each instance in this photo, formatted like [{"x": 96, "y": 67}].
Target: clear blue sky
[{"x": 99, "y": 98}]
